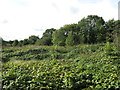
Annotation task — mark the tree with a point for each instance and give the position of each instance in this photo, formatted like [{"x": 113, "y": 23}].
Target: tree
[
  {"x": 58, "y": 38},
  {"x": 15, "y": 43},
  {"x": 69, "y": 27},
  {"x": 81, "y": 31},
  {"x": 46, "y": 38},
  {"x": 110, "y": 27},
  {"x": 116, "y": 34},
  {"x": 48, "y": 32},
  {"x": 101, "y": 35},
  {"x": 9, "y": 43},
  {"x": 117, "y": 39},
  {"x": 89, "y": 28},
  {"x": 25, "y": 42},
  {"x": 20, "y": 43},
  {"x": 44, "y": 41},
  {"x": 32, "y": 39},
  {"x": 70, "y": 39},
  {"x": 1, "y": 41}
]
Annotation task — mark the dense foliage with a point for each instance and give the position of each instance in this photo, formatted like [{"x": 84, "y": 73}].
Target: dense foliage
[
  {"x": 89, "y": 30},
  {"x": 82, "y": 67},
  {"x": 82, "y": 56}
]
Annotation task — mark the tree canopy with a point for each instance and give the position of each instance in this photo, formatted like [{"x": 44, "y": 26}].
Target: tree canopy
[{"x": 89, "y": 30}]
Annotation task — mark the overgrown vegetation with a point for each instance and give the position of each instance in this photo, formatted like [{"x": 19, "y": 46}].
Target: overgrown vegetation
[
  {"x": 83, "y": 67},
  {"x": 82, "y": 56}
]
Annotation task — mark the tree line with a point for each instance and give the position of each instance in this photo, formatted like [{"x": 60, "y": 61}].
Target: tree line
[{"x": 90, "y": 30}]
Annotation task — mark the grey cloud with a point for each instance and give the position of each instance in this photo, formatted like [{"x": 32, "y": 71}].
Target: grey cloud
[
  {"x": 74, "y": 10},
  {"x": 89, "y": 1},
  {"x": 3, "y": 21},
  {"x": 21, "y": 3},
  {"x": 38, "y": 29},
  {"x": 55, "y": 6}
]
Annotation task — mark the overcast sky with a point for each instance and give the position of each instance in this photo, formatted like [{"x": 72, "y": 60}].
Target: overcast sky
[{"x": 21, "y": 18}]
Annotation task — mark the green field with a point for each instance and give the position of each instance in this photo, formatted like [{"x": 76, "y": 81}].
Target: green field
[{"x": 81, "y": 67}]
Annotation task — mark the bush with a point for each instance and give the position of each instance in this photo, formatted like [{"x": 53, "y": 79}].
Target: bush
[{"x": 108, "y": 49}]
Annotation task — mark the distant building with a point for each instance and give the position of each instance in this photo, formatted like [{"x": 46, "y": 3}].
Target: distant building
[{"x": 119, "y": 10}]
